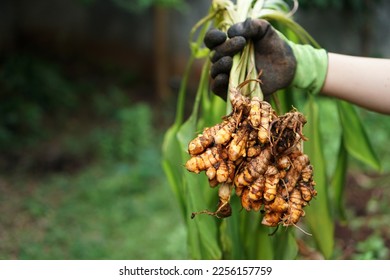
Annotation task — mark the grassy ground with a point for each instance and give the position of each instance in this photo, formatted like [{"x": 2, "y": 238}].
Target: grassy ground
[
  {"x": 104, "y": 211},
  {"x": 107, "y": 208}
]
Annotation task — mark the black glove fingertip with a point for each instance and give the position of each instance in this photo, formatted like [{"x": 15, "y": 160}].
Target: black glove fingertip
[
  {"x": 220, "y": 85},
  {"x": 231, "y": 46},
  {"x": 223, "y": 65},
  {"x": 214, "y": 37}
]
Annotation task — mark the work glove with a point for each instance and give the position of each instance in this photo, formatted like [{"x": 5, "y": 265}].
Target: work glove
[{"x": 282, "y": 62}]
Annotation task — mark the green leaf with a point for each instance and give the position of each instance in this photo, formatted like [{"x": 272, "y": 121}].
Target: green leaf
[
  {"x": 203, "y": 233},
  {"x": 197, "y": 51},
  {"x": 263, "y": 242},
  {"x": 213, "y": 110},
  {"x": 290, "y": 28},
  {"x": 277, "y": 5},
  {"x": 196, "y": 45},
  {"x": 231, "y": 235},
  {"x": 255, "y": 238},
  {"x": 282, "y": 101},
  {"x": 202, "y": 230},
  {"x": 318, "y": 214},
  {"x": 171, "y": 156},
  {"x": 285, "y": 244},
  {"x": 338, "y": 181},
  {"x": 171, "y": 163},
  {"x": 355, "y": 136}
]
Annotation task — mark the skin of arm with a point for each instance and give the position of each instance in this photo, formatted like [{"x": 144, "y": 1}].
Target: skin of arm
[{"x": 360, "y": 80}]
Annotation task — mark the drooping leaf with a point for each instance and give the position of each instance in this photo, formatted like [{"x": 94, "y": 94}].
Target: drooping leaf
[
  {"x": 285, "y": 244},
  {"x": 318, "y": 213},
  {"x": 355, "y": 136},
  {"x": 203, "y": 232},
  {"x": 171, "y": 156},
  {"x": 199, "y": 52},
  {"x": 264, "y": 246},
  {"x": 256, "y": 237},
  {"x": 338, "y": 181},
  {"x": 171, "y": 165},
  {"x": 231, "y": 234}
]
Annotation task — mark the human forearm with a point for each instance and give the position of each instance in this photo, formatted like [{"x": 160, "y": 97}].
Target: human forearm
[{"x": 359, "y": 80}]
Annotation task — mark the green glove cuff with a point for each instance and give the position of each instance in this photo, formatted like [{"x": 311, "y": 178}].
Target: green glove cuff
[{"x": 312, "y": 66}]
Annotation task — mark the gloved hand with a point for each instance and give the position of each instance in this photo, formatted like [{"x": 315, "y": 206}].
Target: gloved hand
[{"x": 282, "y": 62}]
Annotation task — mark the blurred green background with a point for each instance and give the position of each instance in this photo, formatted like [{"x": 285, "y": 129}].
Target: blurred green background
[{"x": 87, "y": 89}]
